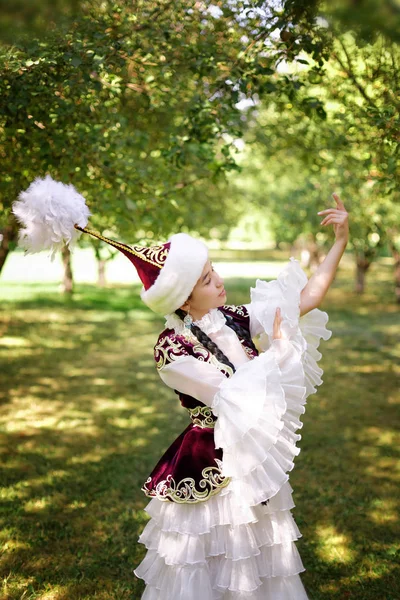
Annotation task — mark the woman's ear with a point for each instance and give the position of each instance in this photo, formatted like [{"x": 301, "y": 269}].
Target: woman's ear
[{"x": 186, "y": 306}]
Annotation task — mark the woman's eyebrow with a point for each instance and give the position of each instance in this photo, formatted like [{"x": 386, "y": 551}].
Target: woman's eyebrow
[{"x": 206, "y": 275}]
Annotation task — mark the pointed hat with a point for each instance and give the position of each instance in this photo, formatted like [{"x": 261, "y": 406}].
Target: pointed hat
[{"x": 53, "y": 213}]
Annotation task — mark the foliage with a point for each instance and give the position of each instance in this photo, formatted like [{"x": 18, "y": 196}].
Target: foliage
[
  {"x": 136, "y": 103},
  {"x": 339, "y": 133},
  {"x": 367, "y": 19},
  {"x": 139, "y": 104}
]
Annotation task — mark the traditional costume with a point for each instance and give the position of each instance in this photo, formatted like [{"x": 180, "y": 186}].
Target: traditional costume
[{"x": 220, "y": 525}]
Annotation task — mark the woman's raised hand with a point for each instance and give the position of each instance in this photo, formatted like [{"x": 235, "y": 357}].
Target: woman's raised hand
[
  {"x": 277, "y": 333},
  {"x": 338, "y": 217}
]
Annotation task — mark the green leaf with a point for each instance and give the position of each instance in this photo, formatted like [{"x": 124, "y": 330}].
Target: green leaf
[{"x": 76, "y": 61}]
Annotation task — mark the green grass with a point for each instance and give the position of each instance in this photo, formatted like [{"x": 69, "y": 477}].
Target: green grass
[{"x": 85, "y": 418}]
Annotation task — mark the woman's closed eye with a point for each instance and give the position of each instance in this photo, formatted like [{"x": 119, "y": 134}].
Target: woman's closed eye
[{"x": 209, "y": 281}]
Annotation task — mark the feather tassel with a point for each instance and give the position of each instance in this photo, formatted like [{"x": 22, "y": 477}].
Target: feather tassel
[{"x": 48, "y": 211}]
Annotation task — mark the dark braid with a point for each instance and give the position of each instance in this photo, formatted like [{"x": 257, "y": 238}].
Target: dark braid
[
  {"x": 212, "y": 346},
  {"x": 240, "y": 331},
  {"x": 207, "y": 342}
]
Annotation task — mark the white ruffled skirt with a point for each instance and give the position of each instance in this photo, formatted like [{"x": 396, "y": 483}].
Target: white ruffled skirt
[{"x": 222, "y": 549}]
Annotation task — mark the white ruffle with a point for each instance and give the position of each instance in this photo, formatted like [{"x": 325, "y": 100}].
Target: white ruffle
[
  {"x": 284, "y": 291},
  {"x": 244, "y": 575},
  {"x": 228, "y": 549},
  {"x": 222, "y": 509},
  {"x": 274, "y": 588},
  {"x": 211, "y": 322},
  {"x": 236, "y": 543},
  {"x": 258, "y": 410},
  {"x": 312, "y": 327},
  {"x": 305, "y": 332}
]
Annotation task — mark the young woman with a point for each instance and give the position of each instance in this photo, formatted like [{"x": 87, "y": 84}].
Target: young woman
[{"x": 220, "y": 525}]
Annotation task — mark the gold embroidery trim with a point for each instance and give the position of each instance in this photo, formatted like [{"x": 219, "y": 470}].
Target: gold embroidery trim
[
  {"x": 236, "y": 309},
  {"x": 168, "y": 350},
  {"x": 202, "y": 416},
  {"x": 185, "y": 490},
  {"x": 155, "y": 250}
]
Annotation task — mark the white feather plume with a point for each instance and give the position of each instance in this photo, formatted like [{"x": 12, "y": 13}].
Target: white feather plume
[{"x": 48, "y": 211}]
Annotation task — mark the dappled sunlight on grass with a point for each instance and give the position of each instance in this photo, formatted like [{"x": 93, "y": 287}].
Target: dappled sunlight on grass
[
  {"x": 14, "y": 341},
  {"x": 333, "y": 546},
  {"x": 384, "y": 510},
  {"x": 85, "y": 417}
]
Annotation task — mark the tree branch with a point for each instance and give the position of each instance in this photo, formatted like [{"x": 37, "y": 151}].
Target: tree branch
[{"x": 351, "y": 74}]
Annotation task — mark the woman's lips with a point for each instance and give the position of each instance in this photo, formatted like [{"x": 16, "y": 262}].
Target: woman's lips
[{"x": 222, "y": 293}]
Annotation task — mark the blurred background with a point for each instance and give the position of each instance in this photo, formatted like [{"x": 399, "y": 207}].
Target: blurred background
[{"x": 234, "y": 121}]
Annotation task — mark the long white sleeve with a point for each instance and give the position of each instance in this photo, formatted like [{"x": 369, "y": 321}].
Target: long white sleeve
[
  {"x": 199, "y": 379},
  {"x": 193, "y": 377}
]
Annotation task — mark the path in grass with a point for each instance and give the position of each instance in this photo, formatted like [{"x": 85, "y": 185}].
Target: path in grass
[{"x": 85, "y": 418}]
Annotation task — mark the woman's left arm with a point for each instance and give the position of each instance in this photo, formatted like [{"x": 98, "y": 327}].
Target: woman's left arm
[{"x": 317, "y": 286}]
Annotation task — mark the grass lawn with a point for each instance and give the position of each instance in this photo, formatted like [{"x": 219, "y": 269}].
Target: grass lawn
[{"x": 85, "y": 418}]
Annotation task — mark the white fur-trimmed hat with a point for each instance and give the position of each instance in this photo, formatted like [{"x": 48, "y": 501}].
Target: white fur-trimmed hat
[
  {"x": 52, "y": 213},
  {"x": 168, "y": 272}
]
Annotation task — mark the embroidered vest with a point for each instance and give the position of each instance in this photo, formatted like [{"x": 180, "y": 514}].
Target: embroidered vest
[{"x": 190, "y": 470}]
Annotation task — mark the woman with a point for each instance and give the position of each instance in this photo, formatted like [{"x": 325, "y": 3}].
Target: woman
[{"x": 221, "y": 525}]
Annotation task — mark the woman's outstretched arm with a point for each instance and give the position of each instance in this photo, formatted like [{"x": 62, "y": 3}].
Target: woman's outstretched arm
[{"x": 317, "y": 286}]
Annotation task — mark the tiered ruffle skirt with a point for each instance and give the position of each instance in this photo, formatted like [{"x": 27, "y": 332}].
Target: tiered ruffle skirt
[{"x": 222, "y": 549}]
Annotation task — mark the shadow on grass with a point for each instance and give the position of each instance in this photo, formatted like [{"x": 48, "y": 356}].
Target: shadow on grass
[
  {"x": 86, "y": 419},
  {"x": 85, "y": 297},
  {"x": 88, "y": 422}
]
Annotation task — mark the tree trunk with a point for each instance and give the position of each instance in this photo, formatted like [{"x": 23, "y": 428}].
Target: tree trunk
[
  {"x": 311, "y": 254},
  {"x": 396, "y": 256},
  {"x": 9, "y": 234},
  {"x": 68, "y": 283},
  {"x": 315, "y": 256},
  {"x": 101, "y": 272},
  {"x": 362, "y": 266}
]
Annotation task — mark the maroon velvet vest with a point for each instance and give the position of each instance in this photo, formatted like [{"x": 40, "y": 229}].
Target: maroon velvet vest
[{"x": 190, "y": 470}]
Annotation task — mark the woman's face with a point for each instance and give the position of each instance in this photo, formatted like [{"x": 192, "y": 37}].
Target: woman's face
[{"x": 208, "y": 293}]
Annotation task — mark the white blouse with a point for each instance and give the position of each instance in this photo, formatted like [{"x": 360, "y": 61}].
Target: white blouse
[{"x": 200, "y": 379}]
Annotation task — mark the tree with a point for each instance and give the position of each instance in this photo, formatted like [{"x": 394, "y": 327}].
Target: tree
[
  {"x": 338, "y": 132},
  {"x": 136, "y": 103}
]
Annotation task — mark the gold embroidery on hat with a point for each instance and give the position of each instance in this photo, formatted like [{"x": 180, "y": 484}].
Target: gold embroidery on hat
[
  {"x": 155, "y": 255},
  {"x": 158, "y": 254}
]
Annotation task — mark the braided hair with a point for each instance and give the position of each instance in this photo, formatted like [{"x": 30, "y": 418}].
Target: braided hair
[
  {"x": 207, "y": 342},
  {"x": 203, "y": 338}
]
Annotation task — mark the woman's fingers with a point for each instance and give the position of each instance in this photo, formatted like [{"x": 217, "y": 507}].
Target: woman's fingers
[
  {"x": 338, "y": 201},
  {"x": 332, "y": 219},
  {"x": 338, "y": 217},
  {"x": 277, "y": 323},
  {"x": 340, "y": 207},
  {"x": 329, "y": 210}
]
